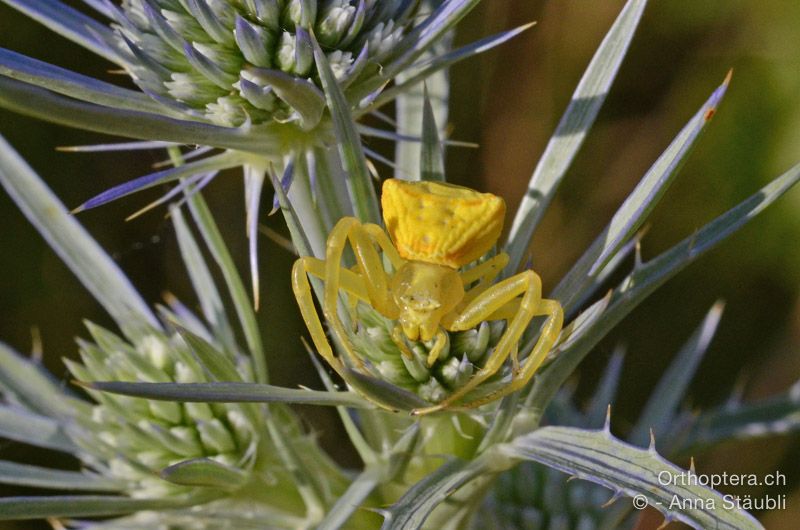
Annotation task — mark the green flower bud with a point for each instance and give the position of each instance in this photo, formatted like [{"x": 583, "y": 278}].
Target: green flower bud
[
  {"x": 334, "y": 22},
  {"x": 432, "y": 391},
  {"x": 295, "y": 54},
  {"x": 456, "y": 373},
  {"x": 415, "y": 365},
  {"x": 168, "y": 411},
  {"x": 215, "y": 436},
  {"x": 473, "y": 343},
  {"x": 383, "y": 38},
  {"x": 140, "y": 437},
  {"x": 295, "y": 15},
  {"x": 188, "y": 436},
  {"x": 198, "y": 411},
  {"x": 394, "y": 372}
]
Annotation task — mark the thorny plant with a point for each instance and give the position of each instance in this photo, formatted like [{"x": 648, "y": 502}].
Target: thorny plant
[{"x": 183, "y": 429}]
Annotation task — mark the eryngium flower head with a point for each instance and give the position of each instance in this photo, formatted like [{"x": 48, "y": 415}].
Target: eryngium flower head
[
  {"x": 134, "y": 440},
  {"x": 234, "y": 61},
  {"x": 464, "y": 354}
]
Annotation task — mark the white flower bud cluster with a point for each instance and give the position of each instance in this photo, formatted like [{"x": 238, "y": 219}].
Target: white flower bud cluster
[
  {"x": 134, "y": 438},
  {"x": 199, "y": 55},
  {"x": 461, "y": 357}
]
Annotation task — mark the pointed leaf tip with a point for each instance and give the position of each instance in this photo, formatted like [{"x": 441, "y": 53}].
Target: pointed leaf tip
[
  {"x": 431, "y": 152},
  {"x": 230, "y": 392},
  {"x": 358, "y": 182},
  {"x": 614, "y": 497},
  {"x": 637, "y": 206},
  {"x": 716, "y": 97},
  {"x": 579, "y": 117},
  {"x": 225, "y": 160}
]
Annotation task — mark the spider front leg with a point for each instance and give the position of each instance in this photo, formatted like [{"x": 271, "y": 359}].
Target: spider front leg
[
  {"x": 549, "y": 334},
  {"x": 493, "y": 304},
  {"x": 440, "y": 342},
  {"x": 372, "y": 274},
  {"x": 350, "y": 283}
]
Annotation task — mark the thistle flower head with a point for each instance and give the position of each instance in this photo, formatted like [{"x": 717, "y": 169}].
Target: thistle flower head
[
  {"x": 234, "y": 61},
  {"x": 136, "y": 441},
  {"x": 464, "y": 353}
]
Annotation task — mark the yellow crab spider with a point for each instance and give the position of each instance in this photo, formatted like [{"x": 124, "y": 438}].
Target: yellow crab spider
[{"x": 434, "y": 229}]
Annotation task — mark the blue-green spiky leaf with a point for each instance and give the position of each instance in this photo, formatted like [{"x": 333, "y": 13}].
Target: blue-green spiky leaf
[
  {"x": 72, "y": 84},
  {"x": 27, "y": 383},
  {"x": 45, "y": 477},
  {"x": 36, "y": 102},
  {"x": 40, "y": 431},
  {"x": 225, "y": 160},
  {"x": 647, "y": 277},
  {"x": 80, "y": 252},
  {"x": 71, "y": 24},
  {"x": 637, "y": 206},
  {"x": 17, "y": 508},
  {"x": 431, "y": 164},
  {"x": 359, "y": 183},
  {"x": 778, "y": 415},
  {"x": 572, "y": 129},
  {"x": 244, "y": 309},
  {"x": 416, "y": 505},
  {"x": 661, "y": 407},
  {"x": 227, "y": 392},
  {"x": 202, "y": 281},
  {"x": 598, "y": 457}
]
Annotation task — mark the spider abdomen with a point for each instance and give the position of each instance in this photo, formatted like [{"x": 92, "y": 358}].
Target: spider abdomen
[{"x": 439, "y": 223}]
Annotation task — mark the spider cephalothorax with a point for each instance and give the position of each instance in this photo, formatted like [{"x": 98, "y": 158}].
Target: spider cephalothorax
[{"x": 434, "y": 231}]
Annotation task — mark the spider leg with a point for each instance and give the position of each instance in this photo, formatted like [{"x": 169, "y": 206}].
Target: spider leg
[
  {"x": 368, "y": 261},
  {"x": 352, "y": 301},
  {"x": 438, "y": 346},
  {"x": 519, "y": 379},
  {"x": 399, "y": 341},
  {"x": 489, "y": 305},
  {"x": 372, "y": 275},
  {"x": 351, "y": 283},
  {"x": 379, "y": 236},
  {"x": 398, "y": 337},
  {"x": 486, "y": 272}
]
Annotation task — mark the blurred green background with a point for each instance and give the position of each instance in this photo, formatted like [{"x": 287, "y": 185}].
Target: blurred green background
[{"x": 509, "y": 102}]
